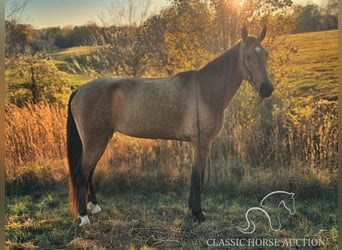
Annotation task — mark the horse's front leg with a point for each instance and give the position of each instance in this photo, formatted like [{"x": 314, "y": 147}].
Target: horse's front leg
[{"x": 197, "y": 178}]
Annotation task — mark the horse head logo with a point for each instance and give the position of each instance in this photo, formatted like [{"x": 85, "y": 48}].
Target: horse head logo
[{"x": 283, "y": 199}]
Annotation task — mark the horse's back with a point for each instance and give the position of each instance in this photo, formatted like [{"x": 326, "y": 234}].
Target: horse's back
[
  {"x": 148, "y": 108},
  {"x": 154, "y": 108}
]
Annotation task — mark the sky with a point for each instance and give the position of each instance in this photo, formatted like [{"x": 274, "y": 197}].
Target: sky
[{"x": 51, "y": 13}]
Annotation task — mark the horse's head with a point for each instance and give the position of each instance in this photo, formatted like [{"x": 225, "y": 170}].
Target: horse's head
[
  {"x": 253, "y": 62},
  {"x": 289, "y": 203}
]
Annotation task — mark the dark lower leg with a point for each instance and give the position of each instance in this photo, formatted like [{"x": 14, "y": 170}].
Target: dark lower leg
[
  {"x": 91, "y": 190},
  {"x": 195, "y": 195},
  {"x": 81, "y": 195}
]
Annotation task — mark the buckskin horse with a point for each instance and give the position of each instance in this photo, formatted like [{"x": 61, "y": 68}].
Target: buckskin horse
[{"x": 188, "y": 106}]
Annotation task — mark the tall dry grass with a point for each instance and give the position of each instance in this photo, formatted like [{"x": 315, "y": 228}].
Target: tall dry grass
[
  {"x": 276, "y": 144},
  {"x": 280, "y": 146},
  {"x": 35, "y": 139}
]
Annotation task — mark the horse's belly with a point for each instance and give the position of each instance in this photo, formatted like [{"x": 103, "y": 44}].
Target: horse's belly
[{"x": 158, "y": 122}]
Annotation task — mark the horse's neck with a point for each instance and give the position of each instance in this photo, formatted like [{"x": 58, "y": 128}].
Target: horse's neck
[
  {"x": 277, "y": 199},
  {"x": 220, "y": 78}
]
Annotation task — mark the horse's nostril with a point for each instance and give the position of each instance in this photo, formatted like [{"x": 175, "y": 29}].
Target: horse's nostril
[{"x": 266, "y": 89}]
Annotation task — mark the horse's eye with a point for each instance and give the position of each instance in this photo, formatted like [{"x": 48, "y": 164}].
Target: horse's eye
[{"x": 247, "y": 57}]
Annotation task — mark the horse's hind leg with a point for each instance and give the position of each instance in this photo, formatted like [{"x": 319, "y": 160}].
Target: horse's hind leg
[
  {"x": 94, "y": 147},
  {"x": 92, "y": 201}
]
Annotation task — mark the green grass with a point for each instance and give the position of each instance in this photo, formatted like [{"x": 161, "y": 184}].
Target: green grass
[
  {"x": 78, "y": 79},
  {"x": 154, "y": 220},
  {"x": 311, "y": 73},
  {"x": 78, "y": 50}
]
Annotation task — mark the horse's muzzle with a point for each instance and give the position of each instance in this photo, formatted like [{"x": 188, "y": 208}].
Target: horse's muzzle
[{"x": 265, "y": 90}]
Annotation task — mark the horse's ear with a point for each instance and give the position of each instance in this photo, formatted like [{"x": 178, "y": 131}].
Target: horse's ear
[
  {"x": 244, "y": 34},
  {"x": 262, "y": 34}
]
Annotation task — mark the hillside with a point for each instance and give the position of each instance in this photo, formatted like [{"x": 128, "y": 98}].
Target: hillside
[
  {"x": 309, "y": 74},
  {"x": 312, "y": 70}
]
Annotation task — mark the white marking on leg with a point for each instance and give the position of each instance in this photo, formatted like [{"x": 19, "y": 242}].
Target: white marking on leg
[
  {"x": 84, "y": 221},
  {"x": 94, "y": 208},
  {"x": 90, "y": 205}
]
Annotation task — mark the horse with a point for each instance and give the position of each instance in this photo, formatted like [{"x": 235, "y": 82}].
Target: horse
[
  {"x": 187, "y": 106},
  {"x": 284, "y": 199}
]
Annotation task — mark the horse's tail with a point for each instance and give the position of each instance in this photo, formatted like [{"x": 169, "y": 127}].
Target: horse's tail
[{"x": 74, "y": 148}]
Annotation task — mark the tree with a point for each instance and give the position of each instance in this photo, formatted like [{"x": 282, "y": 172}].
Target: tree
[
  {"x": 17, "y": 35},
  {"x": 332, "y": 7},
  {"x": 44, "y": 39},
  {"x": 274, "y": 14},
  {"x": 180, "y": 37},
  {"x": 33, "y": 77},
  {"x": 124, "y": 51},
  {"x": 307, "y": 18},
  {"x": 226, "y": 19},
  {"x": 331, "y": 15}
]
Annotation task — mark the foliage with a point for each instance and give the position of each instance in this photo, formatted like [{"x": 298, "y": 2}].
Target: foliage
[
  {"x": 128, "y": 46},
  {"x": 18, "y": 37},
  {"x": 218, "y": 19},
  {"x": 308, "y": 18},
  {"x": 17, "y": 34},
  {"x": 34, "y": 77},
  {"x": 182, "y": 37},
  {"x": 313, "y": 18}
]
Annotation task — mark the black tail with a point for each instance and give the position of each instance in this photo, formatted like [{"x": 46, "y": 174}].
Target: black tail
[{"x": 74, "y": 148}]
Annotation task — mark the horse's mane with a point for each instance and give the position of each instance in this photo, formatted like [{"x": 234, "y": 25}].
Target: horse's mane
[{"x": 224, "y": 60}]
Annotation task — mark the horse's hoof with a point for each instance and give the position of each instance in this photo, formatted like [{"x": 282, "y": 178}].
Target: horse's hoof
[
  {"x": 84, "y": 221},
  {"x": 199, "y": 216},
  {"x": 94, "y": 208}
]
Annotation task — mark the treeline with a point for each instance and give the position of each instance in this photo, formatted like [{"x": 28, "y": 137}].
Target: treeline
[
  {"x": 182, "y": 36},
  {"x": 310, "y": 17}
]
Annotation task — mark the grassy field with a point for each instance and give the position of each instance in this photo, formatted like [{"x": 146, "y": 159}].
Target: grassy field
[
  {"x": 143, "y": 190},
  {"x": 161, "y": 220},
  {"x": 312, "y": 73}
]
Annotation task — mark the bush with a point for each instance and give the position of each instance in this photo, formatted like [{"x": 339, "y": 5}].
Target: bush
[{"x": 35, "y": 78}]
